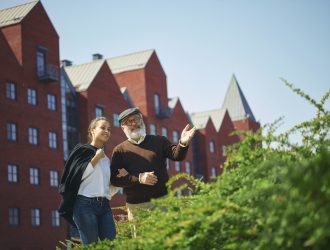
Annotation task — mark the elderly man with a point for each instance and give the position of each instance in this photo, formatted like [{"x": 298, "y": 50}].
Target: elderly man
[{"x": 144, "y": 157}]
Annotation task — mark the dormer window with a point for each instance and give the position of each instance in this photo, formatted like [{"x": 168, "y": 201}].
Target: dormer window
[
  {"x": 157, "y": 104},
  {"x": 99, "y": 111},
  {"x": 164, "y": 131},
  {"x": 41, "y": 62},
  {"x": 46, "y": 72},
  {"x": 152, "y": 129},
  {"x": 175, "y": 136},
  {"x": 212, "y": 147}
]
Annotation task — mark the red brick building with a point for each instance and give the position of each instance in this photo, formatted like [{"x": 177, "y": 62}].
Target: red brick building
[
  {"x": 31, "y": 129},
  {"x": 215, "y": 128},
  {"x": 144, "y": 79},
  {"x": 46, "y": 112}
]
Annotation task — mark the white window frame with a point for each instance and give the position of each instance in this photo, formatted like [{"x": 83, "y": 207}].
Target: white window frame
[
  {"x": 51, "y": 102},
  {"x": 52, "y": 140},
  {"x": 41, "y": 62},
  {"x": 116, "y": 120},
  {"x": 164, "y": 131},
  {"x": 212, "y": 146},
  {"x": 11, "y": 131},
  {"x": 13, "y": 216},
  {"x": 188, "y": 167},
  {"x": 177, "y": 166},
  {"x": 35, "y": 217},
  {"x": 12, "y": 173},
  {"x": 223, "y": 149},
  {"x": 157, "y": 104},
  {"x": 32, "y": 96},
  {"x": 175, "y": 136},
  {"x": 11, "y": 90},
  {"x": 56, "y": 222},
  {"x": 34, "y": 176},
  {"x": 99, "y": 111},
  {"x": 213, "y": 172},
  {"x": 152, "y": 129},
  {"x": 53, "y": 178},
  {"x": 33, "y": 136}
]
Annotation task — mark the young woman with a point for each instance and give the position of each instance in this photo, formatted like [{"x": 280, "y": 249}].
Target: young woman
[{"x": 85, "y": 186}]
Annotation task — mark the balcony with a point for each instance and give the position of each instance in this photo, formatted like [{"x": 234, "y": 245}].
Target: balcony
[
  {"x": 49, "y": 74},
  {"x": 164, "y": 113}
]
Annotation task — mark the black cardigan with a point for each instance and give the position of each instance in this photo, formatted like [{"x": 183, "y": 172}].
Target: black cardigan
[{"x": 74, "y": 169}]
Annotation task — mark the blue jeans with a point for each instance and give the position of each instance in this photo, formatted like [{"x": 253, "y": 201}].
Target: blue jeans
[{"x": 94, "y": 219}]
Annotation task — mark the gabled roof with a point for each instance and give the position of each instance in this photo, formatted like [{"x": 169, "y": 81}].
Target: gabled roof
[
  {"x": 81, "y": 76},
  {"x": 15, "y": 14},
  {"x": 172, "y": 102},
  {"x": 236, "y": 103},
  {"x": 200, "y": 119},
  {"x": 217, "y": 116},
  {"x": 129, "y": 62},
  {"x": 126, "y": 96}
]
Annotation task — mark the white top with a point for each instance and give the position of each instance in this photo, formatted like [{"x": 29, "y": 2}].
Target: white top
[{"x": 96, "y": 180}]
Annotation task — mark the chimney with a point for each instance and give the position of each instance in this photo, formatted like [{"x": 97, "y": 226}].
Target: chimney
[
  {"x": 65, "y": 63},
  {"x": 97, "y": 56}
]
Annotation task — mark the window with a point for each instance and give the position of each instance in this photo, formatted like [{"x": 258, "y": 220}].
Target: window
[
  {"x": 33, "y": 136},
  {"x": 35, "y": 217},
  {"x": 152, "y": 129},
  {"x": 52, "y": 140},
  {"x": 34, "y": 176},
  {"x": 11, "y": 132},
  {"x": 212, "y": 147},
  {"x": 167, "y": 164},
  {"x": 223, "y": 149},
  {"x": 32, "y": 97},
  {"x": 187, "y": 167},
  {"x": 13, "y": 216},
  {"x": 99, "y": 111},
  {"x": 55, "y": 218},
  {"x": 51, "y": 102},
  {"x": 53, "y": 175},
  {"x": 41, "y": 62},
  {"x": 11, "y": 90},
  {"x": 116, "y": 120},
  {"x": 164, "y": 131},
  {"x": 157, "y": 104},
  {"x": 175, "y": 136},
  {"x": 12, "y": 173},
  {"x": 179, "y": 193},
  {"x": 177, "y": 166},
  {"x": 213, "y": 172}
]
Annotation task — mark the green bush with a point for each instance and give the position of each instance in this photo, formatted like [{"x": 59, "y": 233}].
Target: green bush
[{"x": 273, "y": 194}]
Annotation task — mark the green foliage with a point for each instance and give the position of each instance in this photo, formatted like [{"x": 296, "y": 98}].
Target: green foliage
[{"x": 273, "y": 194}]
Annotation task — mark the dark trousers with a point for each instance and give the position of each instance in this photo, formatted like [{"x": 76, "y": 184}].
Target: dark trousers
[{"x": 94, "y": 219}]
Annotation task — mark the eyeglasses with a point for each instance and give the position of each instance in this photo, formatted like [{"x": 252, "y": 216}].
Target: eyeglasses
[{"x": 136, "y": 120}]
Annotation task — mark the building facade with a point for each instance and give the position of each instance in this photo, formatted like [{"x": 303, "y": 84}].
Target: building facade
[{"x": 31, "y": 130}]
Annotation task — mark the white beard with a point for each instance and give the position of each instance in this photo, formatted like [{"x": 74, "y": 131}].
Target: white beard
[{"x": 136, "y": 134}]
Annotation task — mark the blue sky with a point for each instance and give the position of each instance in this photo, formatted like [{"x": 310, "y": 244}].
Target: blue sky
[{"x": 200, "y": 45}]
